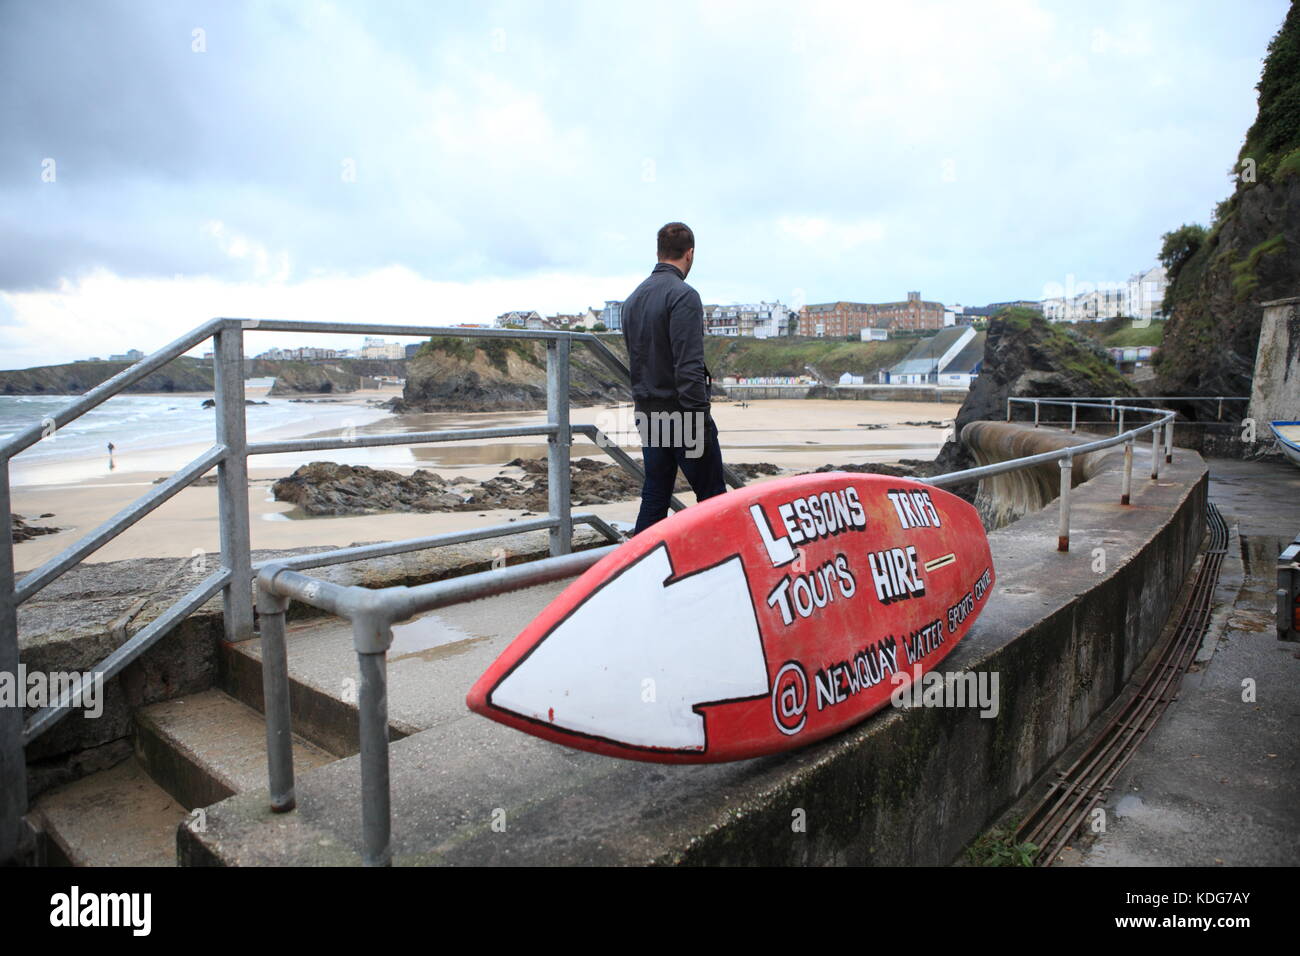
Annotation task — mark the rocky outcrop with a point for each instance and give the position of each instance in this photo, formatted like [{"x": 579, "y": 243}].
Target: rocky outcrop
[
  {"x": 484, "y": 375},
  {"x": 1251, "y": 254},
  {"x": 76, "y": 378},
  {"x": 310, "y": 377},
  {"x": 1027, "y": 356},
  {"x": 905, "y": 468},
  {"x": 325, "y": 488},
  {"x": 366, "y": 368},
  {"x": 22, "y": 531}
]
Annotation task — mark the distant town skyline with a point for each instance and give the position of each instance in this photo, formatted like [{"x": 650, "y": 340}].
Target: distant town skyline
[{"x": 442, "y": 165}]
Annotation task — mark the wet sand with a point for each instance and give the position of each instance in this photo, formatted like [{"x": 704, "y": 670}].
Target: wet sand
[{"x": 794, "y": 434}]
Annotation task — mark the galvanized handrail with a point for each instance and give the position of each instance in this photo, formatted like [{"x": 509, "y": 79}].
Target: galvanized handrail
[
  {"x": 372, "y": 613},
  {"x": 229, "y": 454},
  {"x": 1065, "y": 456},
  {"x": 230, "y": 418},
  {"x": 1111, "y": 400}
]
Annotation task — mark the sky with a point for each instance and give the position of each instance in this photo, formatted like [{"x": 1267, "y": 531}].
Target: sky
[{"x": 165, "y": 162}]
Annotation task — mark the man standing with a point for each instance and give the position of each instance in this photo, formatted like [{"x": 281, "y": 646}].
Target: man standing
[{"x": 663, "y": 326}]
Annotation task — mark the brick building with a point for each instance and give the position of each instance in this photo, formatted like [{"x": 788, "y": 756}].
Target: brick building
[{"x": 848, "y": 319}]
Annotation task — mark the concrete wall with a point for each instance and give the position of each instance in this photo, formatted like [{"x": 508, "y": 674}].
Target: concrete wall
[
  {"x": 870, "y": 393},
  {"x": 1004, "y": 498},
  {"x": 749, "y": 393},
  {"x": 1275, "y": 392},
  {"x": 894, "y": 393},
  {"x": 915, "y": 786},
  {"x": 1063, "y": 633}
]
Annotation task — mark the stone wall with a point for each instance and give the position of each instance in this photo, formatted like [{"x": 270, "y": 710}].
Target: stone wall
[{"x": 1275, "y": 392}]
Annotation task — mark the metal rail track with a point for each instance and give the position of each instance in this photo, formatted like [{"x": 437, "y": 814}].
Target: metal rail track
[{"x": 1070, "y": 800}]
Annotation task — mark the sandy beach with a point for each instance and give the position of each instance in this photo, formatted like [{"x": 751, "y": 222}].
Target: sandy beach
[{"x": 80, "y": 494}]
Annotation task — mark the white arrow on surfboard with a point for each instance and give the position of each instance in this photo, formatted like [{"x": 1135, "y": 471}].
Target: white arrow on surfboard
[{"x": 696, "y": 639}]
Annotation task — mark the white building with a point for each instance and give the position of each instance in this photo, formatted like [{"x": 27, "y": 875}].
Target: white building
[
  {"x": 763, "y": 320},
  {"x": 953, "y": 357},
  {"x": 1145, "y": 294},
  {"x": 1139, "y": 298},
  {"x": 527, "y": 319},
  {"x": 1097, "y": 305},
  {"x": 1054, "y": 310},
  {"x": 377, "y": 348},
  {"x": 869, "y": 334}
]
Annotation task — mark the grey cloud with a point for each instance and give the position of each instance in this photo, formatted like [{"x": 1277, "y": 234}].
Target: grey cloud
[{"x": 506, "y": 140}]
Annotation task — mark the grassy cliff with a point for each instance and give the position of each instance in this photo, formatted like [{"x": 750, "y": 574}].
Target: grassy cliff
[
  {"x": 182, "y": 374},
  {"x": 754, "y": 357},
  {"x": 1251, "y": 252}
]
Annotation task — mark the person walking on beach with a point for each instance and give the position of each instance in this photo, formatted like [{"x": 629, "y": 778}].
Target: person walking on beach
[{"x": 663, "y": 327}]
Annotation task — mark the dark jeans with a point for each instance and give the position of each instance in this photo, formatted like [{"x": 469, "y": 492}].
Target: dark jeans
[{"x": 702, "y": 467}]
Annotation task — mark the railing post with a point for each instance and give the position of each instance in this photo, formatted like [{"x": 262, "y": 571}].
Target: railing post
[
  {"x": 13, "y": 763},
  {"x": 1128, "y": 473},
  {"x": 232, "y": 482},
  {"x": 1035, "y": 413},
  {"x": 1067, "y": 473},
  {"x": 376, "y": 800},
  {"x": 271, "y": 608},
  {"x": 558, "y": 445},
  {"x": 1008, "y": 408},
  {"x": 1120, "y": 430},
  {"x": 1169, "y": 441},
  {"x": 1074, "y": 418},
  {"x": 1155, "y": 453}
]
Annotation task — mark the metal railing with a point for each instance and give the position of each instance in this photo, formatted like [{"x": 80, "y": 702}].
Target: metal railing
[
  {"x": 229, "y": 454},
  {"x": 1110, "y": 403},
  {"x": 1162, "y": 427},
  {"x": 373, "y": 612}
]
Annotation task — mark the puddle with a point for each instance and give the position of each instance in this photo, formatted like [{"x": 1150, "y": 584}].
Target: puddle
[
  {"x": 447, "y": 455},
  {"x": 863, "y": 446},
  {"x": 429, "y": 638}
]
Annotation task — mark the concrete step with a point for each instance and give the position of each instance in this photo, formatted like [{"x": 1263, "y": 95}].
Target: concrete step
[
  {"x": 116, "y": 817},
  {"x": 206, "y": 747},
  {"x": 433, "y": 662}
]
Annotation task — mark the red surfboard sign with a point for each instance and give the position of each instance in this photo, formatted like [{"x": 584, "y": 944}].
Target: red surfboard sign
[{"x": 754, "y": 622}]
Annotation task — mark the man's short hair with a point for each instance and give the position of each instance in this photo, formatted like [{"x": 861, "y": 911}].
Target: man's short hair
[{"x": 674, "y": 239}]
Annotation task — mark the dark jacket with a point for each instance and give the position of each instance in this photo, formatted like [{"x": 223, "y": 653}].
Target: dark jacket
[{"x": 663, "y": 326}]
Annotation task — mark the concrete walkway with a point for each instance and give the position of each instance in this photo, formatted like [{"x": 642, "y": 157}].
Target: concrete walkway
[
  {"x": 1218, "y": 780},
  {"x": 907, "y": 786}
]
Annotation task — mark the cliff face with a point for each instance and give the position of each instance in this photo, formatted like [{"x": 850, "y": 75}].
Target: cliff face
[
  {"x": 1251, "y": 257},
  {"x": 309, "y": 377},
  {"x": 260, "y": 368},
  {"x": 1027, "y": 356},
  {"x": 1251, "y": 254},
  {"x": 745, "y": 357},
  {"x": 455, "y": 374},
  {"x": 77, "y": 378}
]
